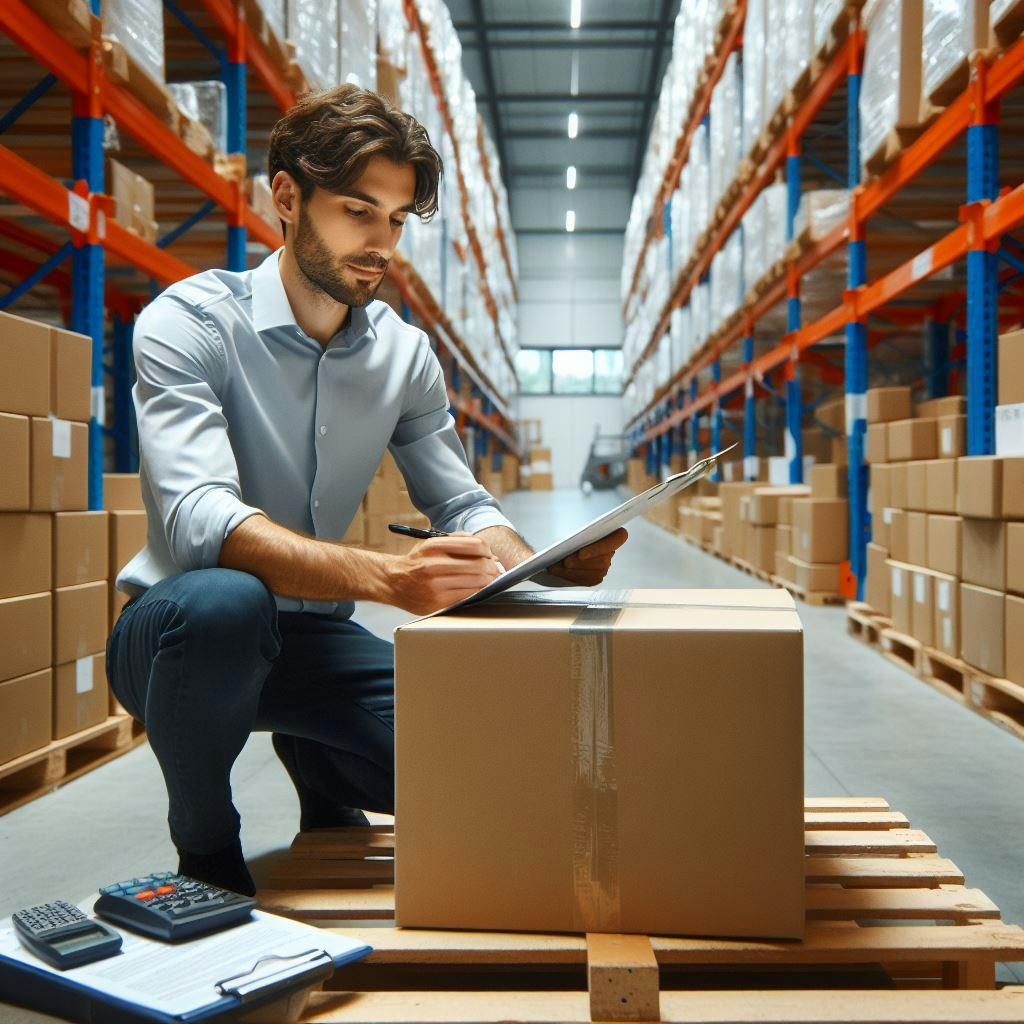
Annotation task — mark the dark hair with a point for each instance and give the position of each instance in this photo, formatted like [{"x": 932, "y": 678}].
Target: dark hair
[{"x": 327, "y": 139}]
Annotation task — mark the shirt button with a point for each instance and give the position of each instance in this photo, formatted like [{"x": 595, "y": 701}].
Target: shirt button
[
  {"x": 323, "y": 429},
  {"x": 316, "y": 503}
]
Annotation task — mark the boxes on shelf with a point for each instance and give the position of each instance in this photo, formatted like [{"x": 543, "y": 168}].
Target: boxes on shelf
[
  {"x": 59, "y": 465},
  {"x": 946, "y": 637},
  {"x": 982, "y": 636},
  {"x": 134, "y": 202},
  {"x": 80, "y": 695},
  {"x": 127, "y": 537},
  {"x": 990, "y": 487},
  {"x": 204, "y": 105},
  {"x": 820, "y": 529},
  {"x": 80, "y": 548},
  {"x": 25, "y": 553},
  {"x": 983, "y": 557},
  {"x": 900, "y": 583},
  {"x": 746, "y": 872},
  {"x": 911, "y": 439},
  {"x": 877, "y": 590},
  {"x": 26, "y": 632},
  {"x": 888, "y": 404},
  {"x": 829, "y": 480},
  {"x": 138, "y": 25},
  {"x": 952, "y": 31},
  {"x": 1011, "y": 368},
  {"x": 122, "y": 492},
  {"x": 945, "y": 538},
  {"x": 80, "y": 616},
  {"x": 25, "y": 703}
]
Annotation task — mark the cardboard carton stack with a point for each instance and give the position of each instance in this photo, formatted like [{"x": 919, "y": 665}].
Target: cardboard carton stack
[
  {"x": 1010, "y": 410},
  {"x": 126, "y": 516},
  {"x": 386, "y": 501},
  {"x": 637, "y": 477},
  {"x": 539, "y": 475},
  {"x": 820, "y": 533},
  {"x": 53, "y": 552},
  {"x": 763, "y": 513},
  {"x": 492, "y": 480},
  {"x": 698, "y": 517},
  {"x": 509, "y": 472}
]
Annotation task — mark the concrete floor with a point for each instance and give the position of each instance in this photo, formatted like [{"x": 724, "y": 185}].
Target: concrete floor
[{"x": 871, "y": 730}]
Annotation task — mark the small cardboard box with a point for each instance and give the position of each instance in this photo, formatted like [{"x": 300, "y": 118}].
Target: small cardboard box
[
  {"x": 134, "y": 200},
  {"x": 917, "y": 538},
  {"x": 355, "y": 535},
  {"x": 80, "y": 548},
  {"x": 899, "y": 535},
  {"x": 912, "y": 439},
  {"x": 25, "y": 714},
  {"x": 982, "y": 639},
  {"x": 1014, "y": 665},
  {"x": 122, "y": 492},
  {"x": 951, "y": 436},
  {"x": 542, "y": 482},
  {"x": 900, "y": 598},
  {"x": 820, "y": 529},
  {"x": 898, "y": 484},
  {"x": 70, "y": 375},
  {"x": 940, "y": 485},
  {"x": 24, "y": 553},
  {"x": 25, "y": 386},
  {"x": 25, "y": 632},
  {"x": 79, "y": 621},
  {"x": 917, "y": 485},
  {"x": 881, "y": 527},
  {"x": 784, "y": 538},
  {"x": 948, "y": 405},
  {"x": 815, "y": 577},
  {"x": 80, "y": 695},
  {"x": 1015, "y": 557},
  {"x": 876, "y": 447},
  {"x": 1011, "y": 368},
  {"x": 945, "y": 544},
  {"x": 886, "y": 404},
  {"x": 14, "y": 480},
  {"x": 1013, "y": 488},
  {"x": 879, "y": 491},
  {"x": 947, "y": 614},
  {"x": 623, "y": 776},
  {"x": 922, "y": 608},
  {"x": 765, "y": 502},
  {"x": 60, "y": 466},
  {"x": 983, "y": 559},
  {"x": 762, "y": 547},
  {"x": 877, "y": 591},
  {"x": 829, "y": 481},
  {"x": 980, "y": 486}
]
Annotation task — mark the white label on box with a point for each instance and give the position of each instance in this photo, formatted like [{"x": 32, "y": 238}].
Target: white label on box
[
  {"x": 61, "y": 438},
  {"x": 541, "y": 467},
  {"x": 946, "y": 444},
  {"x": 78, "y": 211},
  {"x": 887, "y": 516},
  {"x": 1010, "y": 429},
  {"x": 922, "y": 265},
  {"x": 947, "y": 633},
  {"x": 942, "y": 589},
  {"x": 750, "y": 466},
  {"x": 897, "y": 582},
  {"x": 805, "y": 539},
  {"x": 98, "y": 405},
  {"x": 856, "y": 409},
  {"x": 918, "y": 588},
  {"x": 83, "y": 675}
]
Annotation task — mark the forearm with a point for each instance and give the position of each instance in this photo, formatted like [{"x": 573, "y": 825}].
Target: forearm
[
  {"x": 508, "y": 547},
  {"x": 293, "y": 565}
]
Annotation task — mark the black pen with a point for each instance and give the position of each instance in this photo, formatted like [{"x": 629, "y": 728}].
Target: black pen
[{"x": 415, "y": 531}]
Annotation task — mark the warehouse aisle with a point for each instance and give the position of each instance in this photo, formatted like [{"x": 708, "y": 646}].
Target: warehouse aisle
[{"x": 872, "y": 730}]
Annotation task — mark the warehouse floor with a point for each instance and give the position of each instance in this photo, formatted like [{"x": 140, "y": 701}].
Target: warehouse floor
[{"x": 872, "y": 730}]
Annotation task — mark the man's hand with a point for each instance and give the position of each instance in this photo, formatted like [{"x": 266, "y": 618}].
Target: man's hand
[
  {"x": 589, "y": 566},
  {"x": 440, "y": 571}
]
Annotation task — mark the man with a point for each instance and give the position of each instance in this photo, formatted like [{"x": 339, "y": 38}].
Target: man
[{"x": 265, "y": 402}]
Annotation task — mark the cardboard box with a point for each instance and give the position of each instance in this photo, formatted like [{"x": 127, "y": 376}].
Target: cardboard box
[
  {"x": 876, "y": 445},
  {"x": 983, "y": 559},
  {"x": 1010, "y": 429},
  {"x": 912, "y": 439},
  {"x": 79, "y": 621},
  {"x": 980, "y": 486},
  {"x": 899, "y": 536},
  {"x": 940, "y": 485},
  {"x": 538, "y": 454},
  {"x": 922, "y": 607},
  {"x": 881, "y": 527},
  {"x": 133, "y": 200},
  {"x": 24, "y": 553},
  {"x": 1011, "y": 368},
  {"x": 70, "y": 375},
  {"x": 829, "y": 481},
  {"x": 80, "y": 695},
  {"x": 25, "y": 632},
  {"x": 509, "y": 473},
  {"x": 80, "y": 548},
  {"x": 762, "y": 547},
  {"x": 946, "y": 636},
  {"x": 815, "y": 577},
  {"x": 765, "y": 502},
  {"x": 917, "y": 486},
  {"x": 731, "y": 495},
  {"x": 551, "y": 670},
  {"x": 982, "y": 637},
  {"x": 1014, "y": 633},
  {"x": 900, "y": 602},
  {"x": 126, "y": 539},
  {"x": 784, "y": 538},
  {"x": 886, "y": 404},
  {"x": 917, "y": 538},
  {"x": 542, "y": 482},
  {"x": 898, "y": 485},
  {"x": 951, "y": 436},
  {"x": 1013, "y": 488},
  {"x": 837, "y": 451},
  {"x": 122, "y": 492},
  {"x": 25, "y": 386},
  {"x": 878, "y": 488},
  {"x": 820, "y": 529},
  {"x": 14, "y": 480},
  {"x": 783, "y": 569},
  {"x": 877, "y": 590},
  {"x": 1015, "y": 557},
  {"x": 944, "y": 544},
  {"x": 947, "y": 405},
  {"x": 24, "y": 714},
  {"x": 60, "y": 466}
]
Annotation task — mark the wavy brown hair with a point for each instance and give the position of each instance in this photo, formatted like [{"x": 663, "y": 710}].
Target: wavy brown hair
[{"x": 326, "y": 140}]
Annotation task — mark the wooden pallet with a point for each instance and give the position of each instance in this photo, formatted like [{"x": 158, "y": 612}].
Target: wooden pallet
[
  {"x": 812, "y": 597},
  {"x": 901, "y": 649},
  {"x": 124, "y": 70},
  {"x": 72, "y": 20},
  {"x": 864, "y": 623},
  {"x": 44, "y": 770},
  {"x": 881, "y": 909},
  {"x": 749, "y": 569}
]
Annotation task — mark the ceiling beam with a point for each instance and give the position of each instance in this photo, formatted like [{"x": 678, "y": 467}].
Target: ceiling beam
[
  {"x": 584, "y": 173},
  {"x": 567, "y": 44},
  {"x": 561, "y": 231},
  {"x": 562, "y": 97},
  {"x": 610, "y": 25},
  {"x": 480, "y": 22},
  {"x": 555, "y": 133},
  {"x": 653, "y": 85}
]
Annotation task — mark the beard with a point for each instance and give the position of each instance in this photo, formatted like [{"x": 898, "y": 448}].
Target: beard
[{"x": 325, "y": 271}]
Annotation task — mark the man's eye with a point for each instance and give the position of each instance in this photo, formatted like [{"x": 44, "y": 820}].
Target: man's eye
[
  {"x": 398, "y": 223},
  {"x": 356, "y": 213}
]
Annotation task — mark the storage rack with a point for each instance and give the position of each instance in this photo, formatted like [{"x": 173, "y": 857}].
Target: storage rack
[
  {"x": 899, "y": 297},
  {"x": 68, "y": 45}
]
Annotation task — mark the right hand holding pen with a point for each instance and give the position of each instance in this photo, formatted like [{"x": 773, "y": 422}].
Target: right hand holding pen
[{"x": 440, "y": 571}]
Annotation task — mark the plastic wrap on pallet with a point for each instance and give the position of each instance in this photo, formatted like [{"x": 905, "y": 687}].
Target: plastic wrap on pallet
[
  {"x": 276, "y": 16},
  {"x": 357, "y": 42},
  {"x": 799, "y": 39},
  {"x": 700, "y": 313},
  {"x": 261, "y": 200},
  {"x": 700, "y": 186},
  {"x": 726, "y": 280},
  {"x": 773, "y": 236},
  {"x": 826, "y": 14},
  {"x": 753, "y": 248},
  {"x": 726, "y": 133},
  {"x": 951, "y": 31},
  {"x": 776, "y": 75},
  {"x": 663, "y": 359},
  {"x": 820, "y": 211},
  {"x": 313, "y": 31},
  {"x": 205, "y": 102},
  {"x": 138, "y": 25},
  {"x": 392, "y": 31},
  {"x": 755, "y": 57}
]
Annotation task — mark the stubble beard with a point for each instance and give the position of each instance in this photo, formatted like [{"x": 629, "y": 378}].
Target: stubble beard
[{"x": 323, "y": 270}]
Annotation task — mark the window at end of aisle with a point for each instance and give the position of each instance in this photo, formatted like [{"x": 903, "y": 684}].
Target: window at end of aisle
[
  {"x": 570, "y": 371},
  {"x": 533, "y": 367}
]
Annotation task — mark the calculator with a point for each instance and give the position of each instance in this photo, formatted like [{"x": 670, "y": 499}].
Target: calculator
[
  {"x": 172, "y": 907},
  {"x": 63, "y": 936}
]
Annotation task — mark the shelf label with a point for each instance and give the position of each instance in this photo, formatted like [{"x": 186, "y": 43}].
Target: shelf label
[
  {"x": 856, "y": 409},
  {"x": 98, "y": 404},
  {"x": 78, "y": 211},
  {"x": 922, "y": 265}
]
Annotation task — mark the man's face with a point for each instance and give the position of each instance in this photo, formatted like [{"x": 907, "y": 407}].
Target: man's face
[{"x": 343, "y": 243}]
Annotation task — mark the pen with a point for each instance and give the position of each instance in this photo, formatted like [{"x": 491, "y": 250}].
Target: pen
[{"x": 415, "y": 531}]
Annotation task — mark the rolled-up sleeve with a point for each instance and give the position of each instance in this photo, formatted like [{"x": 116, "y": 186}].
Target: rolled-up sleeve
[
  {"x": 183, "y": 434},
  {"x": 430, "y": 455}
]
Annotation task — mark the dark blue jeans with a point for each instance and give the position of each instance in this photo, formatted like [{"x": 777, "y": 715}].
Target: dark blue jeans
[{"x": 204, "y": 658}]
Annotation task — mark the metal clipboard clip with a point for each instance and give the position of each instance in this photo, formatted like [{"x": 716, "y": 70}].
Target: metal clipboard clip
[{"x": 273, "y": 972}]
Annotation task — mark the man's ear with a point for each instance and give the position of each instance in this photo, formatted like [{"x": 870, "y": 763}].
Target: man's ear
[{"x": 287, "y": 197}]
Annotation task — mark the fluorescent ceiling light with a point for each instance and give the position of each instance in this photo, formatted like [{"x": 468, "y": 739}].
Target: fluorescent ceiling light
[
  {"x": 570, "y": 177},
  {"x": 574, "y": 125},
  {"x": 575, "y": 13},
  {"x": 570, "y": 221}
]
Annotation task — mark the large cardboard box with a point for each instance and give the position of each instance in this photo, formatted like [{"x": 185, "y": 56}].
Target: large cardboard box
[
  {"x": 912, "y": 439},
  {"x": 886, "y": 404},
  {"x": 24, "y": 714},
  {"x": 881, "y": 527},
  {"x": 542, "y": 482},
  {"x": 731, "y": 494},
  {"x": 917, "y": 538},
  {"x": 1014, "y": 664},
  {"x": 898, "y": 485},
  {"x": 829, "y": 481},
  {"x": 765, "y": 502},
  {"x": 1013, "y": 488},
  {"x": 877, "y": 591},
  {"x": 24, "y": 553},
  {"x": 70, "y": 375},
  {"x": 25, "y": 632},
  {"x": 922, "y": 608},
  {"x": 940, "y": 485},
  {"x": 79, "y": 621},
  {"x": 947, "y": 614},
  {"x": 14, "y": 480},
  {"x": 820, "y": 529},
  {"x": 581, "y": 732},
  {"x": 983, "y": 558},
  {"x": 982, "y": 640},
  {"x": 876, "y": 445},
  {"x": 947, "y": 405},
  {"x": 951, "y": 436},
  {"x": 80, "y": 548},
  {"x": 60, "y": 465},
  {"x": 25, "y": 385},
  {"x": 1015, "y": 557},
  {"x": 80, "y": 695},
  {"x": 134, "y": 200},
  {"x": 980, "y": 486},
  {"x": 762, "y": 547},
  {"x": 1011, "y": 368},
  {"x": 127, "y": 537},
  {"x": 815, "y": 577},
  {"x": 899, "y": 535},
  {"x": 900, "y": 595},
  {"x": 122, "y": 492},
  {"x": 945, "y": 544},
  {"x": 879, "y": 491},
  {"x": 917, "y": 485}
]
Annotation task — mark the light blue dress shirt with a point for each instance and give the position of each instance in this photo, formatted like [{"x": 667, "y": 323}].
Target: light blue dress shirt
[{"x": 240, "y": 411}]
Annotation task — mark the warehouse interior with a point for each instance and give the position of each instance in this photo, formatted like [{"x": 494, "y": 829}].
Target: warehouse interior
[{"x": 747, "y": 275}]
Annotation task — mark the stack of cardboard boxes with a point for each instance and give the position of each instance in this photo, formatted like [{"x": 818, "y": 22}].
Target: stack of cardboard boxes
[
  {"x": 699, "y": 517},
  {"x": 386, "y": 501},
  {"x": 537, "y": 475}
]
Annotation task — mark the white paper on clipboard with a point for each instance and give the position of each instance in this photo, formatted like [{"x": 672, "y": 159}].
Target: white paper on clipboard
[{"x": 594, "y": 531}]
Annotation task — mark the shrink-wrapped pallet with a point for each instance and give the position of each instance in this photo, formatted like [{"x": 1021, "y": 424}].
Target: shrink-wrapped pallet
[
  {"x": 774, "y": 235},
  {"x": 700, "y": 312},
  {"x": 679, "y": 328},
  {"x": 392, "y": 32},
  {"x": 799, "y": 35},
  {"x": 313, "y": 31},
  {"x": 753, "y": 246},
  {"x": 1007, "y": 19},
  {"x": 663, "y": 360},
  {"x": 261, "y": 200},
  {"x": 726, "y": 132},
  {"x": 700, "y": 203},
  {"x": 755, "y": 56},
  {"x": 951, "y": 31},
  {"x": 826, "y": 16},
  {"x": 205, "y": 102},
  {"x": 820, "y": 211},
  {"x": 680, "y": 221},
  {"x": 138, "y": 25},
  {"x": 276, "y": 16},
  {"x": 776, "y": 77},
  {"x": 726, "y": 280},
  {"x": 357, "y": 43}
]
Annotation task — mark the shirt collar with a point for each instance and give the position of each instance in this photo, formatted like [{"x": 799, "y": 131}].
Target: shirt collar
[{"x": 271, "y": 308}]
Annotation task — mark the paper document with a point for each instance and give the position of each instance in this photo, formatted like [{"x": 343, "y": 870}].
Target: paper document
[
  {"x": 594, "y": 530},
  {"x": 181, "y": 977}
]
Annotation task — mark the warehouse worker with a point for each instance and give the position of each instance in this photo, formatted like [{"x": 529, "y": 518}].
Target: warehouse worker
[{"x": 265, "y": 401}]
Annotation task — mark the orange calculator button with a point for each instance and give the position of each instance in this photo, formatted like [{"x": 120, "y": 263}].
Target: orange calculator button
[
  {"x": 162, "y": 890},
  {"x": 147, "y": 895}
]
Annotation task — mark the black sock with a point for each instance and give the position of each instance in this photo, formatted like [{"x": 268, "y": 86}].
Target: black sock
[{"x": 225, "y": 867}]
